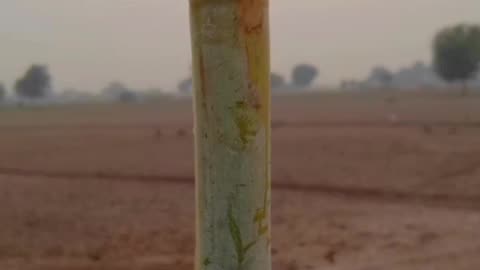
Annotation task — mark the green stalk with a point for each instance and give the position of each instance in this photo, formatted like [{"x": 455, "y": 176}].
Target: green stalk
[{"x": 231, "y": 62}]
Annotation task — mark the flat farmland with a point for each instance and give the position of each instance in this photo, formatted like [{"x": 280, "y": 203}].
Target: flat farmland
[{"x": 360, "y": 181}]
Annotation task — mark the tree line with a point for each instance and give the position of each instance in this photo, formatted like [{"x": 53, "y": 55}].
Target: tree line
[
  {"x": 302, "y": 77},
  {"x": 455, "y": 59}
]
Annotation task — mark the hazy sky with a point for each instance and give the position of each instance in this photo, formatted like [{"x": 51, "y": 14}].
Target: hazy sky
[{"x": 145, "y": 43}]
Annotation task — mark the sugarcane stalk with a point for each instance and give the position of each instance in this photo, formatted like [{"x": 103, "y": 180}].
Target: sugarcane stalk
[{"x": 231, "y": 71}]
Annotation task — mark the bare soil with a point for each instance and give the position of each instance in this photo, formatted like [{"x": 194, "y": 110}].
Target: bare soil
[{"x": 361, "y": 182}]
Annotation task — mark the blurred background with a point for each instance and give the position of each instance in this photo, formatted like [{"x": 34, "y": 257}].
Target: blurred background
[{"x": 376, "y": 134}]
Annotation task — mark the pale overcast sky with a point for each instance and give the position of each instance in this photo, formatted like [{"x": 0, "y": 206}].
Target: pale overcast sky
[{"x": 145, "y": 43}]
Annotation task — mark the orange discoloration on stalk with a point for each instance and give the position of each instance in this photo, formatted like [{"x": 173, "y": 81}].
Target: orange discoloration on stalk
[
  {"x": 254, "y": 26},
  {"x": 252, "y": 15}
]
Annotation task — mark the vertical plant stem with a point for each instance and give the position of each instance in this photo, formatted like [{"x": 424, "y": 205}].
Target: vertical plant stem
[{"x": 231, "y": 62}]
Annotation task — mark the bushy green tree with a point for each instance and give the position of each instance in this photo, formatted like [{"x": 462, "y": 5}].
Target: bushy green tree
[
  {"x": 277, "y": 80},
  {"x": 456, "y": 53},
  {"x": 36, "y": 83},
  {"x": 303, "y": 75}
]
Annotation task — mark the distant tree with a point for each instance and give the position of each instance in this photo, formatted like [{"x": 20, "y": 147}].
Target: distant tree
[
  {"x": 350, "y": 84},
  {"x": 303, "y": 75},
  {"x": 115, "y": 88},
  {"x": 381, "y": 75},
  {"x": 153, "y": 94},
  {"x": 277, "y": 80},
  {"x": 119, "y": 92},
  {"x": 420, "y": 65},
  {"x": 185, "y": 86},
  {"x": 456, "y": 53},
  {"x": 36, "y": 83},
  {"x": 3, "y": 92},
  {"x": 75, "y": 94},
  {"x": 127, "y": 97}
]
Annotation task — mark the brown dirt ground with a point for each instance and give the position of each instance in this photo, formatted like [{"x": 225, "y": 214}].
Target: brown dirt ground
[{"x": 364, "y": 182}]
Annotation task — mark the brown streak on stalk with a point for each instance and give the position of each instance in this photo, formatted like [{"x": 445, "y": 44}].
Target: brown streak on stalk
[{"x": 203, "y": 76}]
